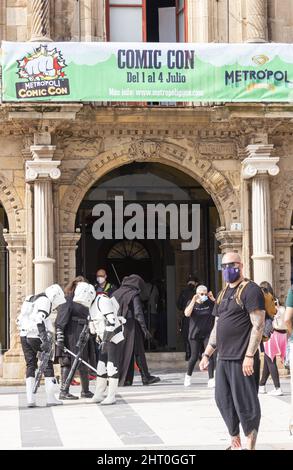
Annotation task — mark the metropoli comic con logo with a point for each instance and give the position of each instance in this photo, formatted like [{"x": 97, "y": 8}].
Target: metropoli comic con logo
[{"x": 44, "y": 71}]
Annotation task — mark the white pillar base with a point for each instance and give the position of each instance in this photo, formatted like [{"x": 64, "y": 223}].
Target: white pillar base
[
  {"x": 40, "y": 39},
  {"x": 255, "y": 40},
  {"x": 263, "y": 268},
  {"x": 44, "y": 273}
]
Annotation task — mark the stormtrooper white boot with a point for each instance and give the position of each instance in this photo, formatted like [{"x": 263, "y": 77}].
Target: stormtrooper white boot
[
  {"x": 50, "y": 387},
  {"x": 30, "y": 396},
  {"x": 101, "y": 384},
  {"x": 112, "y": 389}
]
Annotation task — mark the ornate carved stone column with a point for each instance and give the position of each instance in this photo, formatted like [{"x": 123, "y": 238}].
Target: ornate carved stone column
[
  {"x": 283, "y": 241},
  {"x": 67, "y": 248},
  {"x": 259, "y": 165},
  {"x": 42, "y": 170},
  {"x": 230, "y": 240},
  {"x": 40, "y": 20},
  {"x": 13, "y": 364},
  {"x": 256, "y": 14}
]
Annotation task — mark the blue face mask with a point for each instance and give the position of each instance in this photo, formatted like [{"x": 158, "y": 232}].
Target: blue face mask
[
  {"x": 204, "y": 298},
  {"x": 231, "y": 274}
]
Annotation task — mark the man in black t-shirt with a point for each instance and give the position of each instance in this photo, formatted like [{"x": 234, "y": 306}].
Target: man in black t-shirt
[{"x": 237, "y": 333}]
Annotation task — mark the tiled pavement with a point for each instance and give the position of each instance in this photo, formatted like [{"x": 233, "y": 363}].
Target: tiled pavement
[{"x": 163, "y": 416}]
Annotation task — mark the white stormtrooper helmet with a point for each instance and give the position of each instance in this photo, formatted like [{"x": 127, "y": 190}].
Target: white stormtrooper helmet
[
  {"x": 84, "y": 294},
  {"x": 56, "y": 295},
  {"x": 105, "y": 305}
]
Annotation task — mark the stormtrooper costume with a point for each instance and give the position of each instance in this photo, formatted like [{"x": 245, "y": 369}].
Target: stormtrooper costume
[
  {"x": 109, "y": 329},
  {"x": 33, "y": 323},
  {"x": 71, "y": 319}
]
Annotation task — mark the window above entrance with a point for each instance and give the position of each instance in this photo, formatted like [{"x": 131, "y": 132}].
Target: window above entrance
[
  {"x": 146, "y": 20},
  {"x": 128, "y": 249}
]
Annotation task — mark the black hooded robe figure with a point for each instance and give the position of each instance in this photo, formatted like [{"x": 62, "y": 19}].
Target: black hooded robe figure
[
  {"x": 70, "y": 320},
  {"x": 135, "y": 331}
]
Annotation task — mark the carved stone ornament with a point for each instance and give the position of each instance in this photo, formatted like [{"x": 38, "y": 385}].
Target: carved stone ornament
[
  {"x": 42, "y": 169},
  {"x": 259, "y": 161},
  {"x": 145, "y": 149},
  {"x": 42, "y": 166},
  {"x": 254, "y": 166}
]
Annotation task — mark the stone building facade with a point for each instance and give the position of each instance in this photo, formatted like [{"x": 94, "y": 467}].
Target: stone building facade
[{"x": 52, "y": 154}]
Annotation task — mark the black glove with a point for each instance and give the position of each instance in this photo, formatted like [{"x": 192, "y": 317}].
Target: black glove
[
  {"x": 60, "y": 338},
  {"x": 147, "y": 334},
  {"x": 45, "y": 346}
]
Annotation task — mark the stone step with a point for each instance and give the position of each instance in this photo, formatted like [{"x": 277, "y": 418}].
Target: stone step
[
  {"x": 176, "y": 361},
  {"x": 156, "y": 361},
  {"x": 166, "y": 360}
]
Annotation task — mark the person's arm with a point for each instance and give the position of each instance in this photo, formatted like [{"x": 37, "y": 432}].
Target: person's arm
[
  {"x": 42, "y": 311},
  {"x": 211, "y": 347},
  {"x": 63, "y": 316},
  {"x": 139, "y": 316},
  {"x": 189, "y": 309},
  {"x": 289, "y": 319},
  {"x": 257, "y": 318},
  {"x": 211, "y": 297}
]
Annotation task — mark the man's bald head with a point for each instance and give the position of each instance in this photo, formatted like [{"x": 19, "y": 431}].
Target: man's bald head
[{"x": 231, "y": 257}]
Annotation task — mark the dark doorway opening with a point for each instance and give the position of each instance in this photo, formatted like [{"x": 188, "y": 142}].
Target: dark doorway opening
[
  {"x": 160, "y": 262},
  {"x": 155, "y": 16}
]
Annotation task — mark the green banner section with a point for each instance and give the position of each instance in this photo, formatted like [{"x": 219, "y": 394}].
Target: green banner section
[{"x": 153, "y": 72}]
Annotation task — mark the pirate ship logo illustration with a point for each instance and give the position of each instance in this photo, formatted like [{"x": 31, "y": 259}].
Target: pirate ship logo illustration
[{"x": 44, "y": 71}]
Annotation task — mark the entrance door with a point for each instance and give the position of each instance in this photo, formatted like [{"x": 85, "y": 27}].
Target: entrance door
[{"x": 162, "y": 263}]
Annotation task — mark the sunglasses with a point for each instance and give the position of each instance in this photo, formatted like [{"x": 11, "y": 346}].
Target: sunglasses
[{"x": 230, "y": 265}]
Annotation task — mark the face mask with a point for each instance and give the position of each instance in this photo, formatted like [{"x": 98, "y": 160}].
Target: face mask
[
  {"x": 204, "y": 298},
  {"x": 231, "y": 274},
  {"x": 100, "y": 280}
]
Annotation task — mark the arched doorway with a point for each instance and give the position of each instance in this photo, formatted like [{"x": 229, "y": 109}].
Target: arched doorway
[
  {"x": 4, "y": 285},
  {"x": 161, "y": 262}
]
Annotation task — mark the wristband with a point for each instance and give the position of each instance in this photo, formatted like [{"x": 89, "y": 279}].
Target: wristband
[
  {"x": 206, "y": 355},
  {"x": 250, "y": 357}
]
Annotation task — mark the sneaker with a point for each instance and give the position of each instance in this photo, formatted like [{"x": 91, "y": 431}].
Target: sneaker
[
  {"x": 87, "y": 394},
  {"x": 67, "y": 396},
  {"x": 187, "y": 380},
  {"x": 152, "y": 379},
  {"x": 211, "y": 383},
  {"x": 262, "y": 389},
  {"x": 276, "y": 392}
]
